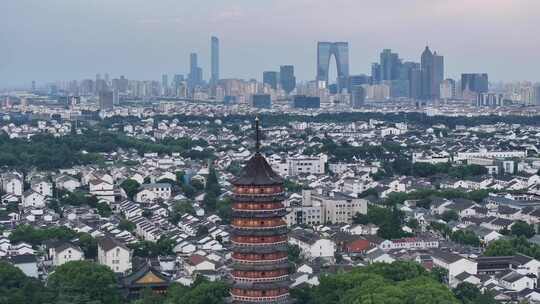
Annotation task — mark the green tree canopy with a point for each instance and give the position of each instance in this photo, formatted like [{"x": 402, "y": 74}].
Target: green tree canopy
[
  {"x": 17, "y": 288},
  {"x": 130, "y": 186},
  {"x": 80, "y": 281},
  {"x": 520, "y": 228},
  {"x": 396, "y": 283},
  {"x": 202, "y": 292}
]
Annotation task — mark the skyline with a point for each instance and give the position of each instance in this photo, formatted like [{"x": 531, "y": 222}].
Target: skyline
[{"x": 144, "y": 41}]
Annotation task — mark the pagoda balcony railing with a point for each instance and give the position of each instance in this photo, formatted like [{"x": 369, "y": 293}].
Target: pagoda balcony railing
[
  {"x": 259, "y": 227},
  {"x": 259, "y": 194},
  {"x": 258, "y": 210},
  {"x": 284, "y": 297},
  {"x": 280, "y": 260},
  {"x": 259, "y": 280},
  {"x": 280, "y": 242}
]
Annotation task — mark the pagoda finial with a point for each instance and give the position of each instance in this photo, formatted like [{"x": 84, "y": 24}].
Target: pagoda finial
[{"x": 257, "y": 136}]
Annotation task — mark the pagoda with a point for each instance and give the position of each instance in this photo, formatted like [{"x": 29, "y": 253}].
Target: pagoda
[{"x": 260, "y": 269}]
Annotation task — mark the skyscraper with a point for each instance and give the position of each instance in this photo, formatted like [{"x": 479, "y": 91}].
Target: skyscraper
[
  {"x": 340, "y": 51},
  {"x": 357, "y": 80},
  {"x": 106, "y": 100},
  {"x": 164, "y": 84},
  {"x": 195, "y": 72},
  {"x": 358, "y": 96},
  {"x": 261, "y": 101},
  {"x": 448, "y": 89},
  {"x": 287, "y": 79},
  {"x": 438, "y": 74},
  {"x": 476, "y": 83},
  {"x": 390, "y": 65},
  {"x": 214, "y": 46},
  {"x": 260, "y": 268},
  {"x": 270, "y": 78},
  {"x": 375, "y": 73},
  {"x": 432, "y": 74}
]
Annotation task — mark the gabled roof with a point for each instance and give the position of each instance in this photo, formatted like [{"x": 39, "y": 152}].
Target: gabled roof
[
  {"x": 446, "y": 256},
  {"x": 512, "y": 277},
  {"x": 107, "y": 243}
]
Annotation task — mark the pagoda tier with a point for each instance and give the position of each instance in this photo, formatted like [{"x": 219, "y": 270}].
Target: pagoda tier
[{"x": 260, "y": 269}]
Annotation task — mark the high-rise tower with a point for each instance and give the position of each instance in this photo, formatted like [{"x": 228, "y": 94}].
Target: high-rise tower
[
  {"x": 259, "y": 236},
  {"x": 287, "y": 78},
  {"x": 340, "y": 51},
  {"x": 214, "y": 50},
  {"x": 432, "y": 74}
]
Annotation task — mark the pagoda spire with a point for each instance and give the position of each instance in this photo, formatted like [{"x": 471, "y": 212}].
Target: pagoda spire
[{"x": 257, "y": 135}]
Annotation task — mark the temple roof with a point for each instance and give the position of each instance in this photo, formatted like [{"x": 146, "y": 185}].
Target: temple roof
[
  {"x": 257, "y": 172},
  {"x": 146, "y": 276}
]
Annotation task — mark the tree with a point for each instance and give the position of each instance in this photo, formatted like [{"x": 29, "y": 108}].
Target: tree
[
  {"x": 79, "y": 280},
  {"x": 520, "y": 228},
  {"x": 147, "y": 249},
  {"x": 146, "y": 213},
  {"x": 16, "y": 288},
  {"x": 224, "y": 210},
  {"x": 413, "y": 224},
  {"x": 212, "y": 182},
  {"x": 130, "y": 186},
  {"x": 210, "y": 201},
  {"x": 440, "y": 274},
  {"x": 126, "y": 225},
  {"x": 513, "y": 246},
  {"x": 396, "y": 283},
  {"x": 36, "y": 236},
  {"x": 465, "y": 237},
  {"x": 449, "y": 215},
  {"x": 202, "y": 292},
  {"x": 292, "y": 186},
  {"x": 468, "y": 293},
  {"x": 179, "y": 209},
  {"x": 149, "y": 297},
  {"x": 293, "y": 253},
  {"x": 88, "y": 245},
  {"x": 180, "y": 176},
  {"x": 103, "y": 209}
]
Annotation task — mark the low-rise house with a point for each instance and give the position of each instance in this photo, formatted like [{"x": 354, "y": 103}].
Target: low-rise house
[
  {"x": 102, "y": 189},
  {"x": 311, "y": 244},
  {"x": 114, "y": 254},
  {"x": 42, "y": 186},
  {"x": 27, "y": 263},
  {"x": 196, "y": 263},
  {"x": 65, "y": 252},
  {"x": 515, "y": 281},
  {"x": 454, "y": 264},
  {"x": 66, "y": 182},
  {"x": 410, "y": 243},
  {"x": 12, "y": 183},
  {"x": 31, "y": 198},
  {"x": 377, "y": 255},
  {"x": 151, "y": 192}
]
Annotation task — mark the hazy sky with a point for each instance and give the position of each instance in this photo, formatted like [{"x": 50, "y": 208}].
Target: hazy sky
[{"x": 49, "y": 40}]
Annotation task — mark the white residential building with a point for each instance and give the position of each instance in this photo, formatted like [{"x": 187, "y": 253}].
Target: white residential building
[
  {"x": 484, "y": 153},
  {"x": 114, "y": 255},
  {"x": 151, "y": 192},
  {"x": 64, "y": 253},
  {"x": 454, "y": 264},
  {"x": 311, "y": 244},
  {"x": 298, "y": 164}
]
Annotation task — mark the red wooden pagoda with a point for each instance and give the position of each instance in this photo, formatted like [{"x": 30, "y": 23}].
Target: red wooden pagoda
[{"x": 259, "y": 234}]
